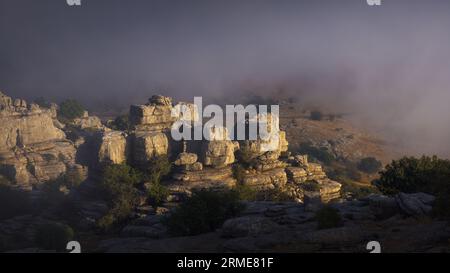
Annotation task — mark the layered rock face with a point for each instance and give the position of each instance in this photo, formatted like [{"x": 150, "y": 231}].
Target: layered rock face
[
  {"x": 156, "y": 115},
  {"x": 32, "y": 149}
]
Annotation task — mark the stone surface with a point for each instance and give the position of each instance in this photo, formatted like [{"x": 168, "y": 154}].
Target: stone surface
[
  {"x": 329, "y": 190},
  {"x": 113, "y": 147},
  {"x": 186, "y": 159},
  {"x": 218, "y": 153},
  {"x": 148, "y": 145},
  {"x": 266, "y": 180},
  {"x": 87, "y": 122},
  {"x": 415, "y": 204}
]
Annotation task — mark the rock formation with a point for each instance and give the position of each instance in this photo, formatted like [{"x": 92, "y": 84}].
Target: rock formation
[{"x": 32, "y": 149}]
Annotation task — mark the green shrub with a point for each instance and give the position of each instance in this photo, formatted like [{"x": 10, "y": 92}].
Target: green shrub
[
  {"x": 369, "y": 165},
  {"x": 158, "y": 168},
  {"x": 54, "y": 236},
  {"x": 246, "y": 193},
  {"x": 118, "y": 186},
  {"x": 316, "y": 115},
  {"x": 70, "y": 109},
  {"x": 157, "y": 194},
  {"x": 321, "y": 154},
  {"x": 121, "y": 123},
  {"x": 203, "y": 212},
  {"x": 13, "y": 202},
  {"x": 328, "y": 217},
  {"x": 409, "y": 174}
]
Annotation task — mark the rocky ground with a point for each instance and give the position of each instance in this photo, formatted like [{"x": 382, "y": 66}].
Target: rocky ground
[{"x": 400, "y": 224}]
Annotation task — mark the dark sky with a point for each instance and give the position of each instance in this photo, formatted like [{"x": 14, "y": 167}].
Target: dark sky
[{"x": 389, "y": 64}]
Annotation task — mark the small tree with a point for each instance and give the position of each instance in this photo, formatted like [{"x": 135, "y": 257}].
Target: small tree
[
  {"x": 369, "y": 165},
  {"x": 121, "y": 123},
  {"x": 157, "y": 169},
  {"x": 70, "y": 109},
  {"x": 118, "y": 186}
]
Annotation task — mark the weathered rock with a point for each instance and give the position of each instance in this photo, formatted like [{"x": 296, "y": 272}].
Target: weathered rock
[
  {"x": 266, "y": 180},
  {"x": 195, "y": 167},
  {"x": 218, "y": 153},
  {"x": 153, "y": 117},
  {"x": 415, "y": 204},
  {"x": 38, "y": 162},
  {"x": 382, "y": 206},
  {"x": 296, "y": 174},
  {"x": 113, "y": 148},
  {"x": 186, "y": 159},
  {"x": 25, "y": 128},
  {"x": 160, "y": 100},
  {"x": 148, "y": 145},
  {"x": 248, "y": 226},
  {"x": 329, "y": 190},
  {"x": 87, "y": 122}
]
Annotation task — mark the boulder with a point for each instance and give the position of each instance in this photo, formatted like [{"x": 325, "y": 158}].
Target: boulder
[
  {"x": 415, "y": 204},
  {"x": 186, "y": 159},
  {"x": 195, "y": 167}
]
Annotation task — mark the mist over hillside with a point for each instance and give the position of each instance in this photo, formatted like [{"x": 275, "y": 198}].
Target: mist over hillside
[{"x": 388, "y": 65}]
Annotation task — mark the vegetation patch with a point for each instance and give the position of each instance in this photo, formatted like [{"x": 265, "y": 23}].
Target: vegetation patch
[
  {"x": 69, "y": 110},
  {"x": 369, "y": 165},
  {"x": 205, "y": 211}
]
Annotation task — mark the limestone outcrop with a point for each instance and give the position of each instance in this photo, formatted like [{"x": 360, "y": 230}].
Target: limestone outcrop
[
  {"x": 113, "y": 148},
  {"x": 32, "y": 149},
  {"x": 156, "y": 115},
  {"x": 147, "y": 145}
]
